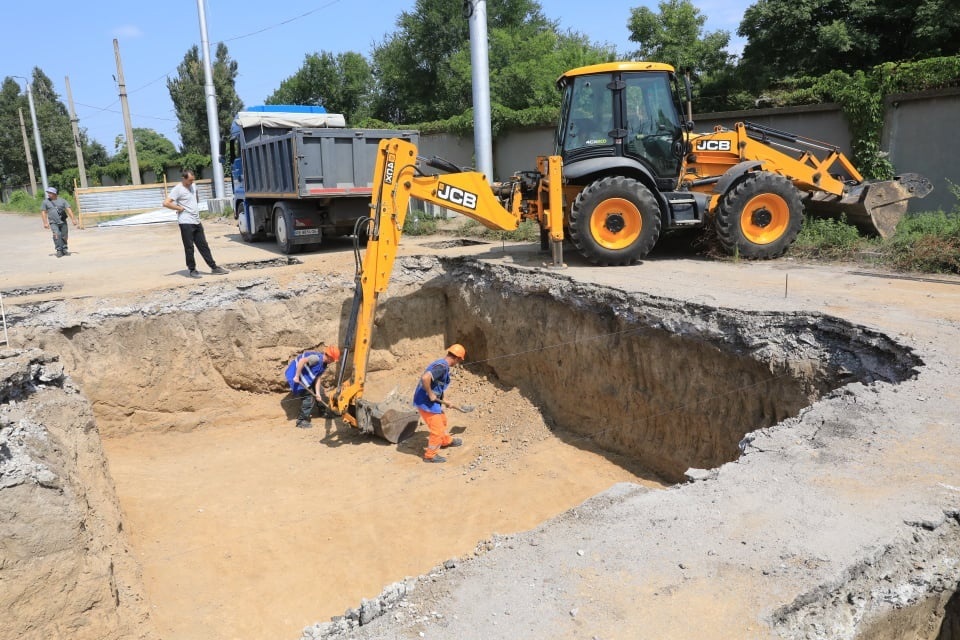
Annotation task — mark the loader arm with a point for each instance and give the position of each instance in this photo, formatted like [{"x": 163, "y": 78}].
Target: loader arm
[
  {"x": 831, "y": 185},
  {"x": 396, "y": 180}
]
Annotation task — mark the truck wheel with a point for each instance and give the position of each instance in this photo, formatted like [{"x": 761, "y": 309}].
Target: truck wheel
[
  {"x": 245, "y": 234},
  {"x": 760, "y": 217},
  {"x": 615, "y": 221},
  {"x": 283, "y": 231}
]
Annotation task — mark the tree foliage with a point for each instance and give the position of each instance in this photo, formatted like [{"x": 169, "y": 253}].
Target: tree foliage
[
  {"x": 341, "y": 83},
  {"x": 676, "y": 36},
  {"x": 189, "y": 98},
  {"x": 154, "y": 151},
  {"x": 812, "y": 37},
  {"x": 423, "y": 69},
  {"x": 56, "y": 134}
]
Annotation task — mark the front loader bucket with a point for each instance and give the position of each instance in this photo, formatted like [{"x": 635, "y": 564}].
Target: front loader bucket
[
  {"x": 394, "y": 419},
  {"x": 875, "y": 208}
]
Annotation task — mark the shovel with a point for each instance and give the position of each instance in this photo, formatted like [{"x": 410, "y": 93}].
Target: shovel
[
  {"x": 465, "y": 408},
  {"x": 321, "y": 401}
]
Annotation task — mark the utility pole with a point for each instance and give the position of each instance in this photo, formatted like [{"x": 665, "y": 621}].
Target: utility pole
[
  {"x": 36, "y": 139},
  {"x": 131, "y": 143},
  {"x": 26, "y": 150},
  {"x": 213, "y": 123},
  {"x": 479, "y": 61},
  {"x": 76, "y": 136}
]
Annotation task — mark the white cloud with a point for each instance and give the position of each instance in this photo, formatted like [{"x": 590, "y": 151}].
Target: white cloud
[{"x": 127, "y": 31}]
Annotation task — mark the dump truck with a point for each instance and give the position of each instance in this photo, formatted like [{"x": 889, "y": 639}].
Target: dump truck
[
  {"x": 299, "y": 174},
  {"x": 626, "y": 168}
]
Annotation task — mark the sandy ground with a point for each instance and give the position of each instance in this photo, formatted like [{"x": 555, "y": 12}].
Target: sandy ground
[
  {"x": 206, "y": 569},
  {"x": 366, "y": 512}
]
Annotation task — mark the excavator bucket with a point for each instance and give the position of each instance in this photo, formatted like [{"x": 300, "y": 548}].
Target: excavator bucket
[
  {"x": 393, "y": 419},
  {"x": 875, "y": 208}
]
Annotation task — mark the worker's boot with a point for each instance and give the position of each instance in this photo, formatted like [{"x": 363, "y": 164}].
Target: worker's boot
[
  {"x": 304, "y": 424},
  {"x": 456, "y": 442},
  {"x": 435, "y": 459}
]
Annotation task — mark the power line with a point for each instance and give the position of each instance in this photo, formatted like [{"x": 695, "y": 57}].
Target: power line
[
  {"x": 280, "y": 24},
  {"x": 139, "y": 115}
]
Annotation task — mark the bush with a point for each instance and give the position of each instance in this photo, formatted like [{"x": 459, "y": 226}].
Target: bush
[
  {"x": 528, "y": 231},
  {"x": 928, "y": 242},
  {"x": 419, "y": 223},
  {"x": 23, "y": 202},
  {"x": 827, "y": 238}
]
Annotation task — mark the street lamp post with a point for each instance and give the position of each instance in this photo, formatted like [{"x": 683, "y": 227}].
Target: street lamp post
[{"x": 36, "y": 135}]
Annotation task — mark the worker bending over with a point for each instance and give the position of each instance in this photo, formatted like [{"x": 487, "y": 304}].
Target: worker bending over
[
  {"x": 428, "y": 399},
  {"x": 310, "y": 375}
]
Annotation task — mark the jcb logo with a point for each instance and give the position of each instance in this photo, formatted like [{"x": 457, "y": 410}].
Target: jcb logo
[
  {"x": 713, "y": 145},
  {"x": 388, "y": 173},
  {"x": 457, "y": 196}
]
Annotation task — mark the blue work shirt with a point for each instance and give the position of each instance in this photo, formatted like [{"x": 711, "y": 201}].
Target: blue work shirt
[{"x": 440, "y": 371}]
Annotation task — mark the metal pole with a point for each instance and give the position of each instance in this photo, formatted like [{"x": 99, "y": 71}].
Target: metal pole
[
  {"x": 213, "y": 123},
  {"x": 26, "y": 150},
  {"x": 482, "y": 137},
  {"x": 36, "y": 139},
  {"x": 128, "y": 127},
  {"x": 76, "y": 136},
  {"x": 3, "y": 318}
]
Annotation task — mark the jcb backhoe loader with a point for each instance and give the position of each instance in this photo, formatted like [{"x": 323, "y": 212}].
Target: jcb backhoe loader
[{"x": 625, "y": 169}]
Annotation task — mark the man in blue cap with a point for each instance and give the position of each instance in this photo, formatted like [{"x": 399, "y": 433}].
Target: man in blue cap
[{"x": 54, "y": 213}]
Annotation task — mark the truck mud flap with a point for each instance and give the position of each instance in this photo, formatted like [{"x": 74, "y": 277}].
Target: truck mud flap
[
  {"x": 875, "y": 208},
  {"x": 393, "y": 419}
]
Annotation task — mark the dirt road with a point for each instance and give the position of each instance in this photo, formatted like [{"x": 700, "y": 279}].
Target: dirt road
[{"x": 855, "y": 488}]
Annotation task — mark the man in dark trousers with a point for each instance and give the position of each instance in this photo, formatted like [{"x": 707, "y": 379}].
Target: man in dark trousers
[
  {"x": 54, "y": 212},
  {"x": 310, "y": 375},
  {"x": 183, "y": 199}
]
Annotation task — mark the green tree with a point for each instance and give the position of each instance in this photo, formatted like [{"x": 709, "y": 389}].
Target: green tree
[
  {"x": 788, "y": 38},
  {"x": 154, "y": 151},
  {"x": 189, "y": 98},
  {"x": 423, "y": 70},
  {"x": 56, "y": 132},
  {"x": 675, "y": 36},
  {"x": 13, "y": 161},
  {"x": 53, "y": 120},
  {"x": 413, "y": 65},
  {"x": 342, "y": 83}
]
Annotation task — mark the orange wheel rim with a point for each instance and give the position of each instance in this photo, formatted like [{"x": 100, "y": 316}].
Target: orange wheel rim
[
  {"x": 616, "y": 223},
  {"x": 765, "y": 218}
]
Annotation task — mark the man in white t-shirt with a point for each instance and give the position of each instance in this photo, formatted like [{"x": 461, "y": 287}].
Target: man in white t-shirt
[{"x": 183, "y": 199}]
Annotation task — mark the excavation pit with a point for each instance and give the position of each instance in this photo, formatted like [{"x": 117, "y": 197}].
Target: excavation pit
[{"x": 248, "y": 527}]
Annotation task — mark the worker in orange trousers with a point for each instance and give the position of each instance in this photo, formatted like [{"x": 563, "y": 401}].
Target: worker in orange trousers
[{"x": 428, "y": 399}]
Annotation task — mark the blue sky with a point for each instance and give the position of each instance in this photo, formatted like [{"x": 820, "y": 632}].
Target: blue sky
[{"x": 268, "y": 41}]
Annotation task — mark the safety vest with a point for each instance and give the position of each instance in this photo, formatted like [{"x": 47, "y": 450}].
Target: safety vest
[
  {"x": 421, "y": 399},
  {"x": 309, "y": 374}
]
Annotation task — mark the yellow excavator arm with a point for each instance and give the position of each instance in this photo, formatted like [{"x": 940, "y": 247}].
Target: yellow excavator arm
[{"x": 397, "y": 178}]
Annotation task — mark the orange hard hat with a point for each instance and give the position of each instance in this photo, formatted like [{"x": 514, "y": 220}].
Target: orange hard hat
[
  {"x": 333, "y": 352},
  {"x": 458, "y": 350}
]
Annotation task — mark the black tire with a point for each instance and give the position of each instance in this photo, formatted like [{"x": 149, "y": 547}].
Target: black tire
[
  {"x": 760, "y": 217},
  {"x": 615, "y": 221},
  {"x": 245, "y": 234},
  {"x": 282, "y": 229}
]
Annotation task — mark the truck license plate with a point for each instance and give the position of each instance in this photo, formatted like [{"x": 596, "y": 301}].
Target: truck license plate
[{"x": 307, "y": 232}]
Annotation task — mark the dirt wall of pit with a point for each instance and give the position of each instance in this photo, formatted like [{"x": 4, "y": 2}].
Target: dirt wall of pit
[
  {"x": 673, "y": 385},
  {"x": 65, "y": 568}
]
